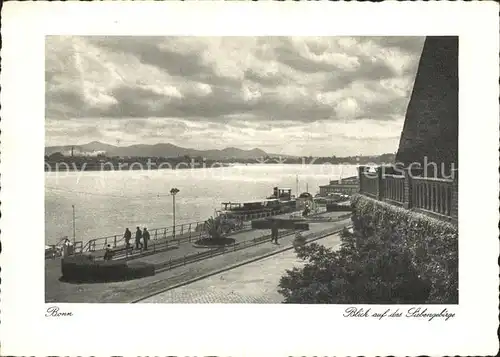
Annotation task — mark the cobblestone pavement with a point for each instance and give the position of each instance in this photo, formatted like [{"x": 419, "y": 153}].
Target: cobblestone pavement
[{"x": 252, "y": 283}]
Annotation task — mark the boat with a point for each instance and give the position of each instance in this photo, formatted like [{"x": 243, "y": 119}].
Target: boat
[
  {"x": 250, "y": 206},
  {"x": 286, "y": 200},
  {"x": 281, "y": 201}
]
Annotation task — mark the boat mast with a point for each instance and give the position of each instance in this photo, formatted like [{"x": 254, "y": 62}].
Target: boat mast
[{"x": 297, "y": 185}]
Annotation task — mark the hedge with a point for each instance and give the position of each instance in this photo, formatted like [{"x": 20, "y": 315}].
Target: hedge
[
  {"x": 335, "y": 207},
  {"x": 431, "y": 244},
  {"x": 291, "y": 223},
  {"x": 83, "y": 268}
]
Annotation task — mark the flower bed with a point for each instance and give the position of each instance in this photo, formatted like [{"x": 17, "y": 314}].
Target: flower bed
[{"x": 213, "y": 242}]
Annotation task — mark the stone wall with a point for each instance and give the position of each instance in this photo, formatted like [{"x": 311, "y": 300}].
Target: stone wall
[{"x": 431, "y": 123}]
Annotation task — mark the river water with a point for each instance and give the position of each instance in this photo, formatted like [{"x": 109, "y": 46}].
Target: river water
[{"x": 108, "y": 201}]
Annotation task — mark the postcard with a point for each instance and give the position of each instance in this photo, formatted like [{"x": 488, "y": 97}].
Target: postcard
[{"x": 249, "y": 178}]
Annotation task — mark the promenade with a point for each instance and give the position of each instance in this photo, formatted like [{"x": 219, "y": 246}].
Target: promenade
[
  {"x": 129, "y": 291},
  {"x": 255, "y": 282}
]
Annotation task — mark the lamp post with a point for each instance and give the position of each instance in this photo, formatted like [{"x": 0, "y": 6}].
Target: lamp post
[
  {"x": 173, "y": 192},
  {"x": 74, "y": 229}
]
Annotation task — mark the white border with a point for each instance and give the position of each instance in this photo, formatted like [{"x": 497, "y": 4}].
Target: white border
[{"x": 254, "y": 330}]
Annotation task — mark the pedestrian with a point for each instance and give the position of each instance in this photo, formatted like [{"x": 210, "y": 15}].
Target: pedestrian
[
  {"x": 274, "y": 232},
  {"x": 127, "y": 236},
  {"x": 65, "y": 248},
  {"x": 138, "y": 236},
  {"x": 108, "y": 255},
  {"x": 145, "y": 238}
]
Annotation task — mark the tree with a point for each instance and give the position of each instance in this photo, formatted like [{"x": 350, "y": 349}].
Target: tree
[
  {"x": 56, "y": 156},
  {"x": 364, "y": 270},
  {"x": 214, "y": 228}
]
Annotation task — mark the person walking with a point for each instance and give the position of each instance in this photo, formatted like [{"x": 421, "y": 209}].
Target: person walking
[
  {"x": 127, "y": 236},
  {"x": 65, "y": 248},
  {"x": 274, "y": 233},
  {"x": 108, "y": 255},
  {"x": 145, "y": 238},
  {"x": 138, "y": 236}
]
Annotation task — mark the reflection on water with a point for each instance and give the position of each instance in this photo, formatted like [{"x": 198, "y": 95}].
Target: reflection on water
[{"x": 107, "y": 202}]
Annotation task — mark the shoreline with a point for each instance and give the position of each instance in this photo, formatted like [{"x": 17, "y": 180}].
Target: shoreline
[{"x": 150, "y": 166}]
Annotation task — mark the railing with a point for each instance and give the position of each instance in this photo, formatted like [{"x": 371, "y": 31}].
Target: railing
[
  {"x": 191, "y": 258},
  {"x": 394, "y": 188},
  {"x": 252, "y": 216},
  {"x": 180, "y": 233},
  {"x": 194, "y": 257},
  {"x": 434, "y": 196},
  {"x": 55, "y": 249},
  {"x": 368, "y": 182}
]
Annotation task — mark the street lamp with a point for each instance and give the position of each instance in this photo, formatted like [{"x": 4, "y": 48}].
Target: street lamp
[
  {"x": 74, "y": 229},
  {"x": 173, "y": 192}
]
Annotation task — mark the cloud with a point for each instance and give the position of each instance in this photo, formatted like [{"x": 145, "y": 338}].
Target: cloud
[{"x": 232, "y": 85}]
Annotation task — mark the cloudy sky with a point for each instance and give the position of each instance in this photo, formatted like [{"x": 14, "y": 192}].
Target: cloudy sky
[{"x": 303, "y": 96}]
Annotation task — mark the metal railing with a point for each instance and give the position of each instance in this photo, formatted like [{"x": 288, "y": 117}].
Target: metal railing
[
  {"x": 434, "y": 196},
  {"x": 179, "y": 233},
  {"x": 192, "y": 258},
  {"x": 394, "y": 188},
  {"x": 368, "y": 183},
  {"x": 258, "y": 215},
  {"x": 55, "y": 250},
  {"x": 161, "y": 245}
]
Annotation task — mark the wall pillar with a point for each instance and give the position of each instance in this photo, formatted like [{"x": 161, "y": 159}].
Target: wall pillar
[
  {"x": 380, "y": 183},
  {"x": 408, "y": 199},
  {"x": 361, "y": 170},
  {"x": 454, "y": 197}
]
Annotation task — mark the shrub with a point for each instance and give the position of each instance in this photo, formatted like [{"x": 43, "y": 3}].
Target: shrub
[
  {"x": 335, "y": 207},
  {"x": 431, "y": 244},
  {"x": 301, "y": 226},
  {"x": 214, "y": 242},
  {"x": 392, "y": 256},
  {"x": 360, "y": 272},
  {"x": 282, "y": 224},
  {"x": 83, "y": 268},
  {"x": 214, "y": 228},
  {"x": 299, "y": 240}
]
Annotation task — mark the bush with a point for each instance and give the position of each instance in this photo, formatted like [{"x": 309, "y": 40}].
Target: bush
[
  {"x": 214, "y": 242},
  {"x": 394, "y": 256},
  {"x": 298, "y": 224},
  {"x": 335, "y": 207},
  {"x": 83, "y": 268},
  {"x": 431, "y": 244},
  {"x": 214, "y": 228},
  {"x": 301, "y": 226}
]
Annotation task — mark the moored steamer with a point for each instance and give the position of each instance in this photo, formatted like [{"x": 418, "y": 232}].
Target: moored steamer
[{"x": 280, "y": 202}]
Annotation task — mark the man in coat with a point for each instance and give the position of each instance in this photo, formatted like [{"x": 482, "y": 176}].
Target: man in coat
[
  {"x": 145, "y": 238},
  {"x": 138, "y": 236}
]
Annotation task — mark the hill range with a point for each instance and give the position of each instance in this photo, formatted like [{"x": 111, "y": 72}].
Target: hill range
[{"x": 157, "y": 150}]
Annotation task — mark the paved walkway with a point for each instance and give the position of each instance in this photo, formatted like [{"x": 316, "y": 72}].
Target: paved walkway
[
  {"x": 127, "y": 291},
  {"x": 255, "y": 282}
]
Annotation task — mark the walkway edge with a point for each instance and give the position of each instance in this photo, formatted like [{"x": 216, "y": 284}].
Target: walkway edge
[{"x": 233, "y": 266}]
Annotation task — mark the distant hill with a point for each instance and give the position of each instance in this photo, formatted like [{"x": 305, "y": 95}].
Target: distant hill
[
  {"x": 157, "y": 150},
  {"x": 230, "y": 154}
]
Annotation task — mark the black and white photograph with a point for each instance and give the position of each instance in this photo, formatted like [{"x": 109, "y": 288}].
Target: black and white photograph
[
  {"x": 249, "y": 178},
  {"x": 309, "y": 170}
]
